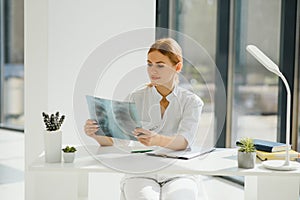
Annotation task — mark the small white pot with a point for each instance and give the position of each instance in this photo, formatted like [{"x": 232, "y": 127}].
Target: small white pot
[
  {"x": 69, "y": 157},
  {"x": 52, "y": 141},
  {"x": 246, "y": 159}
]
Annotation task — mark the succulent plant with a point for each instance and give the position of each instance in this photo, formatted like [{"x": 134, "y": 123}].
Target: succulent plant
[
  {"x": 53, "y": 122},
  {"x": 68, "y": 149},
  {"x": 246, "y": 145}
]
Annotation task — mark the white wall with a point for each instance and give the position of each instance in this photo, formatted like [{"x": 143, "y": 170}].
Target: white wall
[
  {"x": 60, "y": 35},
  {"x": 36, "y": 77},
  {"x": 75, "y": 30}
]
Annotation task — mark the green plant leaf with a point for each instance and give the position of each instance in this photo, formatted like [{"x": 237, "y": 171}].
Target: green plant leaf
[
  {"x": 246, "y": 145},
  {"x": 68, "y": 149}
]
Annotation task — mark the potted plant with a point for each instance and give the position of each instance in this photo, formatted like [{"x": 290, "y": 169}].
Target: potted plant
[
  {"x": 53, "y": 136},
  {"x": 69, "y": 154},
  {"x": 246, "y": 153}
]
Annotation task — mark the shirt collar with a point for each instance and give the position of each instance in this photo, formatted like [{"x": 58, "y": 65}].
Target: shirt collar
[
  {"x": 156, "y": 95},
  {"x": 169, "y": 97},
  {"x": 173, "y": 93}
]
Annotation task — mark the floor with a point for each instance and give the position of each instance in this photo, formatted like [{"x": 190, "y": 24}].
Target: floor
[
  {"x": 11, "y": 165},
  {"x": 12, "y": 173}
]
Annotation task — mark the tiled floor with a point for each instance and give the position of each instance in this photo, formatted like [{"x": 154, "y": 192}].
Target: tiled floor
[
  {"x": 12, "y": 173},
  {"x": 11, "y": 165}
]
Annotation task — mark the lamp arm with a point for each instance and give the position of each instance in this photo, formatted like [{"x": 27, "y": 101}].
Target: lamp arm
[{"x": 288, "y": 111}]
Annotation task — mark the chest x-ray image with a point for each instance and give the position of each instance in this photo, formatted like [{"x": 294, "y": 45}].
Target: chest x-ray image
[{"x": 115, "y": 118}]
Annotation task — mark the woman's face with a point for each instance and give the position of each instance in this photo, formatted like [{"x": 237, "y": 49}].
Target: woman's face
[{"x": 161, "y": 70}]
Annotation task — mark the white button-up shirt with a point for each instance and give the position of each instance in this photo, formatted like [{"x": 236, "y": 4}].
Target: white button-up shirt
[{"x": 181, "y": 117}]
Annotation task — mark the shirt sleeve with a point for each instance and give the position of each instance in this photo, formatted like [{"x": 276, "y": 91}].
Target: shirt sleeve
[{"x": 189, "y": 123}]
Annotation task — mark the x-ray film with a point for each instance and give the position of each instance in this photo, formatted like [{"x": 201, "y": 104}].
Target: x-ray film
[{"x": 115, "y": 118}]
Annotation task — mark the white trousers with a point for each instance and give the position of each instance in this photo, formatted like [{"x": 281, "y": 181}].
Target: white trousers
[{"x": 147, "y": 188}]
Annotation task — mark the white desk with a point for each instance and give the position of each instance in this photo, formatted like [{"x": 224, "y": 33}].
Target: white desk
[{"x": 70, "y": 181}]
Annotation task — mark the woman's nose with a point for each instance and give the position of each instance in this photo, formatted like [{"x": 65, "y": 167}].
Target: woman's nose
[{"x": 153, "y": 70}]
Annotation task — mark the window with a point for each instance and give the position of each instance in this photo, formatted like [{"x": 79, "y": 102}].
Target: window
[
  {"x": 297, "y": 108},
  {"x": 197, "y": 20},
  {"x": 224, "y": 28},
  {"x": 256, "y": 98},
  {"x": 12, "y": 64},
  {"x": 190, "y": 17},
  {"x": 255, "y": 89}
]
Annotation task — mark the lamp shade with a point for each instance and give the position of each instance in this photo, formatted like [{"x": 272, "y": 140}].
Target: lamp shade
[{"x": 263, "y": 59}]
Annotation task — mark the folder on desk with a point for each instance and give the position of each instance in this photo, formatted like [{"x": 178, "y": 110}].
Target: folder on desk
[{"x": 184, "y": 154}]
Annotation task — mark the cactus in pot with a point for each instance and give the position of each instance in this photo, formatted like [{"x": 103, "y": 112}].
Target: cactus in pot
[
  {"x": 53, "y": 136},
  {"x": 53, "y": 122}
]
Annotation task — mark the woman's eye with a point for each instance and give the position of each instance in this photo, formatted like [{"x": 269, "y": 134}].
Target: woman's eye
[
  {"x": 160, "y": 66},
  {"x": 149, "y": 65}
]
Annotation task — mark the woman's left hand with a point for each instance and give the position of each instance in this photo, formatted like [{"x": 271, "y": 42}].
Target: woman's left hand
[{"x": 146, "y": 137}]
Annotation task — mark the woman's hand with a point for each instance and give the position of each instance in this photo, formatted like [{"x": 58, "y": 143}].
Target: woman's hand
[
  {"x": 91, "y": 127},
  {"x": 146, "y": 137},
  {"x": 150, "y": 138}
]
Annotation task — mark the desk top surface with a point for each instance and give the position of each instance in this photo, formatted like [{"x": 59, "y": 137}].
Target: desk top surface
[{"x": 221, "y": 162}]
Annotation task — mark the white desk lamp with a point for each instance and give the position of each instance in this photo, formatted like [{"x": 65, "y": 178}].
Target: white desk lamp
[{"x": 271, "y": 66}]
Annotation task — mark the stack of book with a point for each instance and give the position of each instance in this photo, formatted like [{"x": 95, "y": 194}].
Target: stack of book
[{"x": 268, "y": 150}]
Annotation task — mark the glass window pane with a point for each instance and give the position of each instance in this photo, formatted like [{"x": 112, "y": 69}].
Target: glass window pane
[
  {"x": 12, "y": 106},
  {"x": 298, "y": 127},
  {"x": 298, "y": 130},
  {"x": 255, "y": 88},
  {"x": 198, "y": 19}
]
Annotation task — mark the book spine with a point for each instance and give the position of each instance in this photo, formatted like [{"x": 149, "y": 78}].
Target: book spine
[{"x": 263, "y": 148}]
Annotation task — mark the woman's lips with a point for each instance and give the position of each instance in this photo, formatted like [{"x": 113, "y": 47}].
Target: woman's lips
[{"x": 154, "y": 78}]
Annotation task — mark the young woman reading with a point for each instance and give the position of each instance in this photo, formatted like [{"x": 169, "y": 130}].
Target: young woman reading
[{"x": 178, "y": 111}]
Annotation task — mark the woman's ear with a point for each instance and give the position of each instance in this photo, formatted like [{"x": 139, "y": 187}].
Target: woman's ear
[{"x": 178, "y": 67}]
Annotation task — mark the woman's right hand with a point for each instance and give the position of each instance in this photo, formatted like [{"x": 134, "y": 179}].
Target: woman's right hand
[{"x": 91, "y": 127}]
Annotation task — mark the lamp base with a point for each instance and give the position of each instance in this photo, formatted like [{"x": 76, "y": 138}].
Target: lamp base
[{"x": 279, "y": 165}]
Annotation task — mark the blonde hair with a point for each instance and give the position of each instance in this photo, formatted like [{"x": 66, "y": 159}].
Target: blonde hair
[{"x": 168, "y": 47}]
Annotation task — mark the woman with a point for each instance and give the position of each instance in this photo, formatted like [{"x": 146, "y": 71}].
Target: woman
[{"x": 176, "y": 110}]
